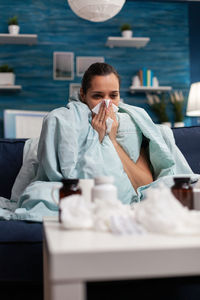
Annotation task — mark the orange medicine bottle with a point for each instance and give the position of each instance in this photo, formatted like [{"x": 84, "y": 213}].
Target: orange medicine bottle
[{"x": 183, "y": 191}]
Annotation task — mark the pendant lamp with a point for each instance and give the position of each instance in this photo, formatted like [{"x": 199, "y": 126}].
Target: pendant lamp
[{"x": 96, "y": 10}]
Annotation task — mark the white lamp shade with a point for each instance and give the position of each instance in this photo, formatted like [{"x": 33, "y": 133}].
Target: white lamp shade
[
  {"x": 96, "y": 10},
  {"x": 193, "y": 106}
]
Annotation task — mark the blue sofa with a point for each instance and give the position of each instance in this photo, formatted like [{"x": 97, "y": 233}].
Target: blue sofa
[{"x": 21, "y": 264}]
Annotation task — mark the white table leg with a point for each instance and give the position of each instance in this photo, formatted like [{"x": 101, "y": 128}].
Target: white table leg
[
  {"x": 60, "y": 291},
  {"x": 67, "y": 291}
]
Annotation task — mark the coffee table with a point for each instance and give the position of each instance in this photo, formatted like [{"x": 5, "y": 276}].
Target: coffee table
[{"x": 74, "y": 257}]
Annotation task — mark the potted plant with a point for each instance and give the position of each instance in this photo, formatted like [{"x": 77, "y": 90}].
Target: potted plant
[
  {"x": 159, "y": 107},
  {"x": 126, "y": 30},
  {"x": 13, "y": 26},
  {"x": 7, "y": 76},
  {"x": 177, "y": 101}
]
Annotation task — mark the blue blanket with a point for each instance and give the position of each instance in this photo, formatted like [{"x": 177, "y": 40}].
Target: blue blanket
[{"x": 69, "y": 147}]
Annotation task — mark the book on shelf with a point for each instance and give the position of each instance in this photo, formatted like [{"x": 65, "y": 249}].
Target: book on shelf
[
  {"x": 146, "y": 77},
  {"x": 140, "y": 74}
]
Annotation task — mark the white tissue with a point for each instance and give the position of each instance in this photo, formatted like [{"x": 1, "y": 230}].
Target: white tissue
[
  {"x": 76, "y": 213},
  {"x": 107, "y": 101},
  {"x": 109, "y": 121},
  {"x": 104, "y": 211},
  {"x": 162, "y": 213},
  {"x": 125, "y": 225},
  {"x": 110, "y": 215}
]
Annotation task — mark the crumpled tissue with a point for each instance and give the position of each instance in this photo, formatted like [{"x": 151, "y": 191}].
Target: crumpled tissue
[
  {"x": 76, "y": 212},
  {"x": 162, "y": 213},
  {"x": 109, "y": 121},
  {"x": 159, "y": 213},
  {"x": 110, "y": 215}
]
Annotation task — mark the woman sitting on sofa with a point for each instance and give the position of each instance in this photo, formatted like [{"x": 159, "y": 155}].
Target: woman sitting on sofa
[{"x": 117, "y": 140}]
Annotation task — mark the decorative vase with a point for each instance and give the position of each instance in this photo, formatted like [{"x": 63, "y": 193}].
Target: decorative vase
[
  {"x": 136, "y": 81},
  {"x": 7, "y": 78},
  {"x": 167, "y": 124},
  {"x": 13, "y": 29},
  {"x": 179, "y": 124},
  {"x": 155, "y": 82},
  {"x": 127, "y": 33}
]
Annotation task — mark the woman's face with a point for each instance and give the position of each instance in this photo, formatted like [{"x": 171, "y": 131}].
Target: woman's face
[{"x": 102, "y": 87}]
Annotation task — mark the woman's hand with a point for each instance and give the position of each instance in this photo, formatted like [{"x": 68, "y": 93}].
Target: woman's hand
[
  {"x": 99, "y": 121},
  {"x": 111, "y": 114}
]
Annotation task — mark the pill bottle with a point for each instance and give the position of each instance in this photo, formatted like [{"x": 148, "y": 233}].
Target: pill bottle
[
  {"x": 104, "y": 188},
  {"x": 183, "y": 191}
]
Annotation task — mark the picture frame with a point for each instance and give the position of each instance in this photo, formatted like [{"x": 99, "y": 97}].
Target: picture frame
[
  {"x": 83, "y": 63},
  {"x": 74, "y": 88},
  {"x": 63, "y": 65}
]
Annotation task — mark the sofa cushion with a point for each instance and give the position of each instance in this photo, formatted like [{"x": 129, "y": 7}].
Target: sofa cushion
[
  {"x": 188, "y": 141},
  {"x": 11, "y": 156},
  {"x": 20, "y": 231},
  {"x": 21, "y": 251}
]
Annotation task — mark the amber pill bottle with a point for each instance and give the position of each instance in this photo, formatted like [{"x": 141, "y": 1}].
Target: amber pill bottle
[{"x": 183, "y": 191}]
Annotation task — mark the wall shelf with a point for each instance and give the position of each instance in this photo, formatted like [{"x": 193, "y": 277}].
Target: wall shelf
[
  {"x": 10, "y": 88},
  {"x": 6, "y": 38},
  {"x": 151, "y": 89},
  {"x": 137, "y": 42}
]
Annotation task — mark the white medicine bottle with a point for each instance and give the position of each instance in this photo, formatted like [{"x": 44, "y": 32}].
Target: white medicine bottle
[{"x": 104, "y": 188}]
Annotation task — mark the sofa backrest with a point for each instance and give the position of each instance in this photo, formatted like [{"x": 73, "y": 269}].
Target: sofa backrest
[
  {"x": 11, "y": 155},
  {"x": 188, "y": 141}
]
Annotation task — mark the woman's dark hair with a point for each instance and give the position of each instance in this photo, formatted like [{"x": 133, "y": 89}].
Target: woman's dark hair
[{"x": 96, "y": 69}]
